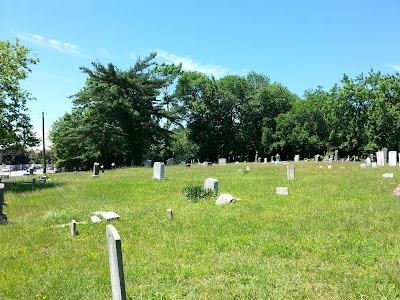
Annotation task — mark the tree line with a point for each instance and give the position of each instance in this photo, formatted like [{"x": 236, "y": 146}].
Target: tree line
[{"x": 156, "y": 111}]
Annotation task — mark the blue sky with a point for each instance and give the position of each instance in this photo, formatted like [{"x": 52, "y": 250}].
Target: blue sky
[{"x": 301, "y": 44}]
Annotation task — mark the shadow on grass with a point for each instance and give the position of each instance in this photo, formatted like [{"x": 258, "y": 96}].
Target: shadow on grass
[{"x": 23, "y": 187}]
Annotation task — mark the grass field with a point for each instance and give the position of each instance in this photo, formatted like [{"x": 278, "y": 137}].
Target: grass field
[{"x": 335, "y": 236}]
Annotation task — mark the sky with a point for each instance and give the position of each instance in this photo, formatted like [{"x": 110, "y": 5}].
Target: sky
[{"x": 300, "y": 44}]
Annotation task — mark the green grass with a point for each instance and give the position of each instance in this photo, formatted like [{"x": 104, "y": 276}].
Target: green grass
[{"x": 335, "y": 236}]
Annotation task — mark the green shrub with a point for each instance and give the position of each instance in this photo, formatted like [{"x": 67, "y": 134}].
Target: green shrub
[{"x": 196, "y": 192}]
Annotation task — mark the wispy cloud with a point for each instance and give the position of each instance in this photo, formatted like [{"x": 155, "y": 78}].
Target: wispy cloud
[
  {"x": 190, "y": 65},
  {"x": 67, "y": 48},
  {"x": 395, "y": 67},
  {"x": 105, "y": 53}
]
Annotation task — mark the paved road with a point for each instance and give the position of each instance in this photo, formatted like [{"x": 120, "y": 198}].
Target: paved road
[{"x": 25, "y": 172}]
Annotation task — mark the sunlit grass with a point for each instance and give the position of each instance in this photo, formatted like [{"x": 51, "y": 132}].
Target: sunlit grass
[{"x": 335, "y": 236}]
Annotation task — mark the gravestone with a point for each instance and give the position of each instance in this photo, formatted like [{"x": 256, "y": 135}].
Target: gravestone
[
  {"x": 282, "y": 191},
  {"x": 73, "y": 227},
  {"x": 3, "y": 217},
  {"x": 110, "y": 215},
  {"x": 330, "y": 167},
  {"x": 158, "y": 170},
  {"x": 392, "y": 158},
  {"x": 380, "y": 158},
  {"x": 368, "y": 161},
  {"x": 224, "y": 199},
  {"x": 222, "y": 161},
  {"x": 297, "y": 158},
  {"x": 147, "y": 163},
  {"x": 336, "y": 155},
  {"x": 385, "y": 154},
  {"x": 372, "y": 157},
  {"x": 169, "y": 213},
  {"x": 387, "y": 175},
  {"x": 265, "y": 160},
  {"x": 374, "y": 165},
  {"x": 95, "y": 219},
  {"x": 278, "y": 157},
  {"x": 316, "y": 158},
  {"x": 116, "y": 264},
  {"x": 256, "y": 157},
  {"x": 290, "y": 172},
  {"x": 363, "y": 166},
  {"x": 170, "y": 161},
  {"x": 272, "y": 159},
  {"x": 259, "y": 160},
  {"x": 211, "y": 184},
  {"x": 96, "y": 169}
]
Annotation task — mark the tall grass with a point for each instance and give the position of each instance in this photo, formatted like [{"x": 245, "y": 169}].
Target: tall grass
[{"x": 335, "y": 236}]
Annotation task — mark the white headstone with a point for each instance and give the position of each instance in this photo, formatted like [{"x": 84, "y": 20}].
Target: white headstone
[
  {"x": 222, "y": 161},
  {"x": 329, "y": 167},
  {"x": 392, "y": 158},
  {"x": 374, "y": 165},
  {"x": 110, "y": 215},
  {"x": 368, "y": 161},
  {"x": 387, "y": 175},
  {"x": 211, "y": 184},
  {"x": 282, "y": 191},
  {"x": 95, "y": 219},
  {"x": 363, "y": 166},
  {"x": 116, "y": 264},
  {"x": 380, "y": 159},
  {"x": 158, "y": 170},
  {"x": 223, "y": 199},
  {"x": 265, "y": 160},
  {"x": 290, "y": 172},
  {"x": 169, "y": 213},
  {"x": 297, "y": 158}
]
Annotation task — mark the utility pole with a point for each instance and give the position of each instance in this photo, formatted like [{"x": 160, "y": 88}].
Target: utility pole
[{"x": 44, "y": 149}]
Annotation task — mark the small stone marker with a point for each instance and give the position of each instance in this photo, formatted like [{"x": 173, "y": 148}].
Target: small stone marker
[
  {"x": 169, "y": 213},
  {"x": 147, "y": 163},
  {"x": 392, "y": 158},
  {"x": 363, "y": 166},
  {"x": 368, "y": 161},
  {"x": 116, "y": 264},
  {"x": 265, "y": 160},
  {"x": 95, "y": 219},
  {"x": 158, "y": 170},
  {"x": 336, "y": 155},
  {"x": 290, "y": 172},
  {"x": 272, "y": 159},
  {"x": 222, "y": 161},
  {"x": 33, "y": 181},
  {"x": 73, "y": 228},
  {"x": 96, "y": 169},
  {"x": 329, "y": 167},
  {"x": 297, "y": 158},
  {"x": 110, "y": 215},
  {"x": 387, "y": 175},
  {"x": 3, "y": 217},
  {"x": 211, "y": 184},
  {"x": 374, "y": 165},
  {"x": 170, "y": 161},
  {"x": 282, "y": 191},
  {"x": 224, "y": 199}
]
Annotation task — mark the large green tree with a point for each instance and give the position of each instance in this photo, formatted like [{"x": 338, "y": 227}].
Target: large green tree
[
  {"x": 15, "y": 128},
  {"x": 119, "y": 114}
]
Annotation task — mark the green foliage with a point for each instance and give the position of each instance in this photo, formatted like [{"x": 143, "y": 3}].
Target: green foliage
[
  {"x": 15, "y": 129},
  {"x": 194, "y": 192}
]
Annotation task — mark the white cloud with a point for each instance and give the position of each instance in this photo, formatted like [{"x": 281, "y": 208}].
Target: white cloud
[
  {"x": 395, "y": 67},
  {"x": 67, "y": 48},
  {"x": 190, "y": 65},
  {"x": 105, "y": 53}
]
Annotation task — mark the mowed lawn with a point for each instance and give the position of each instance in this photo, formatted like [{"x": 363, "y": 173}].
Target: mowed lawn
[{"x": 335, "y": 236}]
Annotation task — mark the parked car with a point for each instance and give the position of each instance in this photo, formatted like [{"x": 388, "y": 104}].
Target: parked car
[{"x": 8, "y": 169}]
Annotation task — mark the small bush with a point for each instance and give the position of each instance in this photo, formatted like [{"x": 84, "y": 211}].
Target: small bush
[{"x": 195, "y": 192}]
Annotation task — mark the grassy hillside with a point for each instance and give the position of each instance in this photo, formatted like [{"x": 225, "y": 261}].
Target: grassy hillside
[{"x": 335, "y": 236}]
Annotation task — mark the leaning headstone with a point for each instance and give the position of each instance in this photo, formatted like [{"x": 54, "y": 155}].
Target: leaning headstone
[
  {"x": 282, "y": 191},
  {"x": 116, "y": 264},
  {"x": 392, "y": 158},
  {"x": 222, "y": 161},
  {"x": 158, "y": 170},
  {"x": 169, "y": 213},
  {"x": 387, "y": 175},
  {"x": 290, "y": 172},
  {"x": 297, "y": 158},
  {"x": 374, "y": 165},
  {"x": 147, "y": 163},
  {"x": 96, "y": 169},
  {"x": 368, "y": 161},
  {"x": 224, "y": 199},
  {"x": 3, "y": 217},
  {"x": 211, "y": 184},
  {"x": 73, "y": 227},
  {"x": 380, "y": 158}
]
